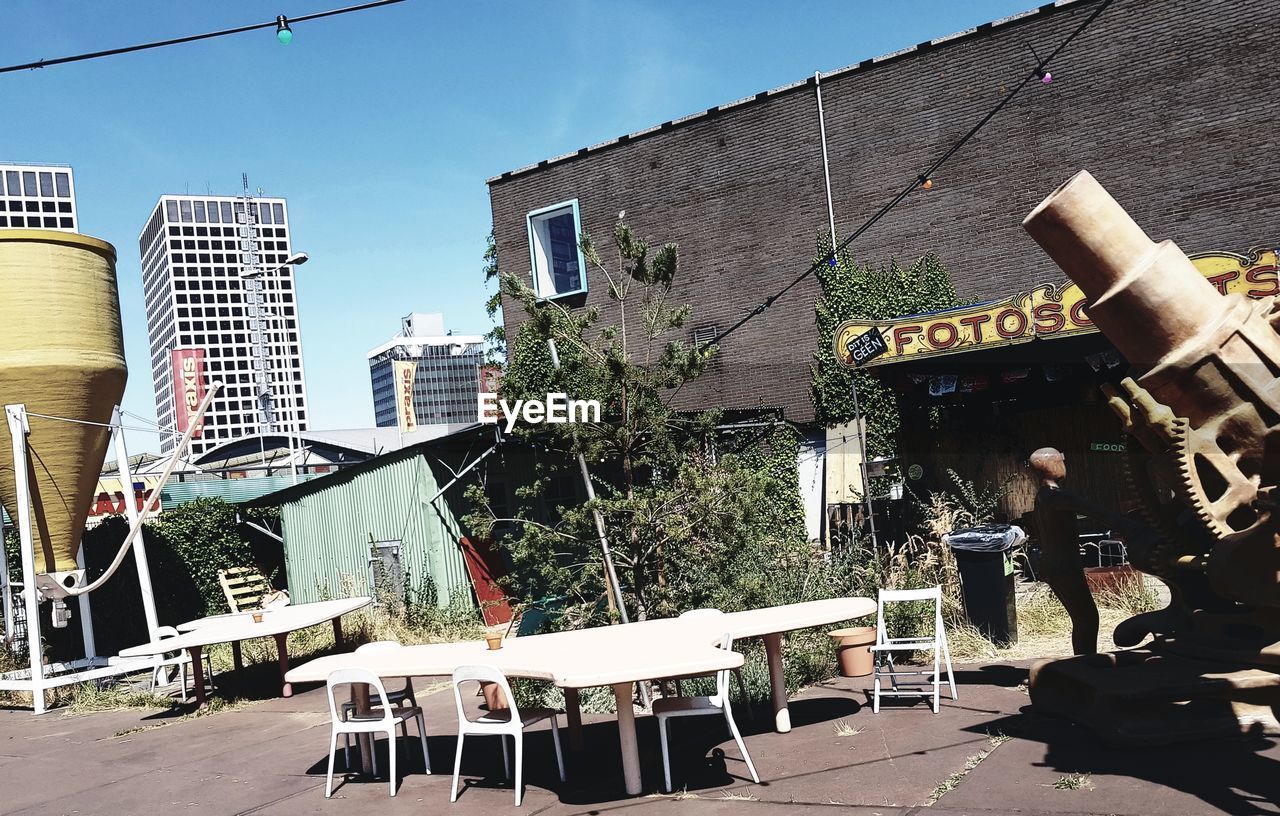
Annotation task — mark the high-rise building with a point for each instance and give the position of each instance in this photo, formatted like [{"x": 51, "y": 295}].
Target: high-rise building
[
  {"x": 446, "y": 384},
  {"x": 215, "y": 279},
  {"x": 37, "y": 196}
]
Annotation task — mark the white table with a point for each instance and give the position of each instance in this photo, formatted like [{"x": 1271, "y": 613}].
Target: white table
[
  {"x": 277, "y": 622},
  {"x": 616, "y": 656}
]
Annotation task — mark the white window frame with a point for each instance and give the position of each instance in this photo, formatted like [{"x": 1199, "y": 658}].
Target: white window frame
[{"x": 539, "y": 270}]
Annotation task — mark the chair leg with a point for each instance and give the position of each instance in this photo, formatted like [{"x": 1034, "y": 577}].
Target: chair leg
[
  {"x": 457, "y": 765},
  {"x": 946, "y": 654},
  {"x": 937, "y": 679},
  {"x": 742, "y": 746},
  {"x": 422, "y": 735},
  {"x": 393, "y": 742},
  {"x": 666, "y": 756},
  {"x": 518, "y": 739},
  {"x": 333, "y": 750},
  {"x": 742, "y": 689},
  {"x": 555, "y": 739},
  {"x": 679, "y": 691},
  {"x": 182, "y": 675},
  {"x": 373, "y": 753}
]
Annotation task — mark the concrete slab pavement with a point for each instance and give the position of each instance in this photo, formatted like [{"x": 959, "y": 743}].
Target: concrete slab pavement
[{"x": 269, "y": 758}]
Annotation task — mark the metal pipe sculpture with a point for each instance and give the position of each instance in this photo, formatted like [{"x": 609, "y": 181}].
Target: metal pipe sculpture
[
  {"x": 1203, "y": 405},
  {"x": 62, "y": 354}
]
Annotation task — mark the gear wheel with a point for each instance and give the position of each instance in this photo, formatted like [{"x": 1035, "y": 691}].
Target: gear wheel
[{"x": 1156, "y": 480}]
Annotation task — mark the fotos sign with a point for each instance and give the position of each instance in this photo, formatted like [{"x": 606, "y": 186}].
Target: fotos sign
[
  {"x": 1044, "y": 312},
  {"x": 188, "y": 387}
]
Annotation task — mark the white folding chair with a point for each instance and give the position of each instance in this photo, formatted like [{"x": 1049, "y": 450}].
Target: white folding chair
[
  {"x": 703, "y": 614},
  {"x": 397, "y": 697},
  {"x": 373, "y": 723},
  {"x": 181, "y": 659},
  {"x": 668, "y": 707},
  {"x": 885, "y": 646},
  {"x": 503, "y": 722}
]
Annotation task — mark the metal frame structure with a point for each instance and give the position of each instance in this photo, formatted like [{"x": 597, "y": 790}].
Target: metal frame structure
[{"x": 39, "y": 677}]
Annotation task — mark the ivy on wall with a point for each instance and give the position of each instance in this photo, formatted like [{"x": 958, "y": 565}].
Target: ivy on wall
[{"x": 852, "y": 290}]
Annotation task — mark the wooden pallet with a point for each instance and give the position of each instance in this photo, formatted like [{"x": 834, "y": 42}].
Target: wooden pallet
[{"x": 244, "y": 588}]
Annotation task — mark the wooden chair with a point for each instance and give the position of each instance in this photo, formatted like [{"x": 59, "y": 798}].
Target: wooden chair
[{"x": 243, "y": 587}]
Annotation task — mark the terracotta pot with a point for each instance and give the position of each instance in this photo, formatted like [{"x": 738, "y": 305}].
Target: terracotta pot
[
  {"x": 854, "y": 650},
  {"x": 494, "y": 641}
]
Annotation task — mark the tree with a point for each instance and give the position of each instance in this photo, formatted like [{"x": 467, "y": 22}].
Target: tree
[{"x": 679, "y": 504}]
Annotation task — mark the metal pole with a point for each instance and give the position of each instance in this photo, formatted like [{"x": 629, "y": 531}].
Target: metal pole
[
  {"x": 7, "y": 600},
  {"x": 131, "y": 513},
  {"x": 86, "y": 617},
  {"x": 615, "y": 596},
  {"x": 826, "y": 170},
  {"x": 18, "y": 429},
  {"x": 861, "y": 426}
]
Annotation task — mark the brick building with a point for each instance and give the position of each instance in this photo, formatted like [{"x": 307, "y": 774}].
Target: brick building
[{"x": 1167, "y": 102}]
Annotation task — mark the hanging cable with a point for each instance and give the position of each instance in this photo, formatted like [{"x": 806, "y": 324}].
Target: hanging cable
[
  {"x": 129, "y": 49},
  {"x": 1037, "y": 74},
  {"x": 151, "y": 501}
]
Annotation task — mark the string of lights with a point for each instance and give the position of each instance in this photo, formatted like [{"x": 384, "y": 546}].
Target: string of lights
[
  {"x": 281, "y": 23},
  {"x": 923, "y": 180}
]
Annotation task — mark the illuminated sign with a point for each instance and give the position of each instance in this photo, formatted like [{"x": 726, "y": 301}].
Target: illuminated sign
[
  {"x": 1048, "y": 311},
  {"x": 188, "y": 387}
]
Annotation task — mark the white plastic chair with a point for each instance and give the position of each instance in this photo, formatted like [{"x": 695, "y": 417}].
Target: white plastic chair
[
  {"x": 668, "y": 707},
  {"x": 395, "y": 698},
  {"x": 885, "y": 646},
  {"x": 503, "y": 722},
  {"x": 696, "y": 614},
  {"x": 371, "y": 724},
  {"x": 181, "y": 659}
]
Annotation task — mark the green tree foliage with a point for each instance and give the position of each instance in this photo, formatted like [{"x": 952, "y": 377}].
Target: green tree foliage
[
  {"x": 496, "y": 352},
  {"x": 861, "y": 291},
  {"x": 693, "y": 518}
]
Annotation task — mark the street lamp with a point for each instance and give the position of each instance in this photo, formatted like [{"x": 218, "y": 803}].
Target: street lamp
[{"x": 255, "y": 277}]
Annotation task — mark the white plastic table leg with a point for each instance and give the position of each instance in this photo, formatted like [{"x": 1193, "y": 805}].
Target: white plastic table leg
[
  {"x": 573, "y": 714},
  {"x": 627, "y": 738},
  {"x": 777, "y": 683}
]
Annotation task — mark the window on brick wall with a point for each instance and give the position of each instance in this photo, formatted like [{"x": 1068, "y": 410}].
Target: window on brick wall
[{"x": 556, "y": 262}]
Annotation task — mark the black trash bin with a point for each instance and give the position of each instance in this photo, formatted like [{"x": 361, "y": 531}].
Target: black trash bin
[{"x": 984, "y": 556}]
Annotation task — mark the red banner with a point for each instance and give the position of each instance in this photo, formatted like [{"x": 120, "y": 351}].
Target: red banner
[{"x": 188, "y": 387}]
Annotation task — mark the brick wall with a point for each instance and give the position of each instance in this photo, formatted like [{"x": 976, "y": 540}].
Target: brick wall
[{"x": 1170, "y": 103}]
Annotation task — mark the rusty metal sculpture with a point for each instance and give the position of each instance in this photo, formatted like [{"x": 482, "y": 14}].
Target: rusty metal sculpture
[{"x": 1203, "y": 407}]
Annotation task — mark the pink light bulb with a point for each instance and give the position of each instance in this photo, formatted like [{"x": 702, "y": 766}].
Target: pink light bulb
[{"x": 1046, "y": 77}]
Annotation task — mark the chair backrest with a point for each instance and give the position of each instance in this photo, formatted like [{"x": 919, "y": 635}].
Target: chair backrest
[
  {"x": 378, "y": 646},
  {"x": 905, "y": 596},
  {"x": 483, "y": 674},
  {"x": 166, "y": 631},
  {"x": 700, "y": 613},
  {"x": 341, "y": 677},
  {"x": 243, "y": 588}
]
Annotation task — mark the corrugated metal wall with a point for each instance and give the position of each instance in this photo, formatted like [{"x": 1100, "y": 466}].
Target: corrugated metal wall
[{"x": 326, "y": 532}]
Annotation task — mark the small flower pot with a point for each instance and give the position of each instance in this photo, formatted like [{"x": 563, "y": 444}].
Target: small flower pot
[
  {"x": 853, "y": 650},
  {"x": 494, "y": 641},
  {"x": 257, "y": 617}
]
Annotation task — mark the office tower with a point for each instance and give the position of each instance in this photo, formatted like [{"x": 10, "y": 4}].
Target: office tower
[
  {"x": 218, "y": 289},
  {"x": 37, "y": 196},
  {"x": 446, "y": 383}
]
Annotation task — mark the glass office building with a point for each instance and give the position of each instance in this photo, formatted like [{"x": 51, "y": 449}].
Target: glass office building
[
  {"x": 446, "y": 384},
  {"x": 194, "y": 251},
  {"x": 38, "y": 196}
]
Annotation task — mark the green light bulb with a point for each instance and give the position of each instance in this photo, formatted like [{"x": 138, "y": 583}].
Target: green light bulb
[{"x": 285, "y": 36}]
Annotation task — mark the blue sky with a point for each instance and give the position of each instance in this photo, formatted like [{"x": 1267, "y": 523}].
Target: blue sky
[{"x": 380, "y": 128}]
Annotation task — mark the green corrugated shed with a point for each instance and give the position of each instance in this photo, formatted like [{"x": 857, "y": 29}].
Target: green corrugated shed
[{"x": 328, "y": 522}]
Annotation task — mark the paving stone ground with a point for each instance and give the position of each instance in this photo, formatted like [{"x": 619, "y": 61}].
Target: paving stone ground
[{"x": 269, "y": 758}]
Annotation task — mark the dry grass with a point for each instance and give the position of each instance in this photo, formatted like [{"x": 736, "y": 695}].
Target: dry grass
[
  {"x": 844, "y": 729},
  {"x": 1044, "y": 628}
]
